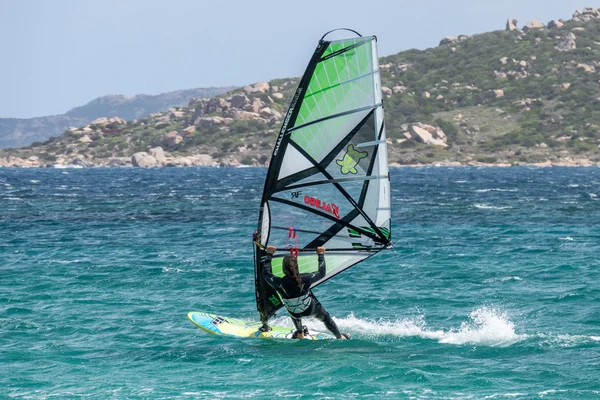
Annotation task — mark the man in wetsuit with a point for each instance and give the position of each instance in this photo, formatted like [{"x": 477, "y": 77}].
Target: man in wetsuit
[{"x": 294, "y": 289}]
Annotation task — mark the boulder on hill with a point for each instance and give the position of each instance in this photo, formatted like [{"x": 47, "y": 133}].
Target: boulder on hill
[
  {"x": 239, "y": 100},
  {"x": 567, "y": 43},
  {"x": 207, "y": 122},
  {"x": 454, "y": 39},
  {"x": 269, "y": 113},
  {"x": 137, "y": 156},
  {"x": 216, "y": 104},
  {"x": 108, "y": 120},
  {"x": 85, "y": 139},
  {"x": 511, "y": 24},
  {"x": 158, "y": 154},
  {"x": 146, "y": 161},
  {"x": 587, "y": 14},
  {"x": 428, "y": 134},
  {"x": 533, "y": 24},
  {"x": 243, "y": 115},
  {"x": 260, "y": 87},
  {"x": 255, "y": 106},
  {"x": 79, "y": 162},
  {"x": 554, "y": 24}
]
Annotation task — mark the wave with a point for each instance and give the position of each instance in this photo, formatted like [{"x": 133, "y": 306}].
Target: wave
[
  {"x": 496, "y": 190},
  {"x": 503, "y": 279},
  {"x": 566, "y": 340},
  {"x": 567, "y": 239},
  {"x": 485, "y": 326},
  {"x": 488, "y": 207}
]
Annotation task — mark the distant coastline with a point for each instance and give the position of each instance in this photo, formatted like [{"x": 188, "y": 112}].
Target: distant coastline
[{"x": 201, "y": 161}]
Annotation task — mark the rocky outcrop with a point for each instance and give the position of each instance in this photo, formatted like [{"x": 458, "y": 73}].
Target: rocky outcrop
[
  {"x": 454, "y": 39},
  {"x": 586, "y": 67},
  {"x": 428, "y": 134},
  {"x": 135, "y": 158},
  {"x": 158, "y": 154},
  {"x": 239, "y": 100},
  {"x": 555, "y": 24},
  {"x": 587, "y": 14},
  {"x": 207, "y": 122},
  {"x": 108, "y": 120},
  {"x": 511, "y": 24},
  {"x": 533, "y": 24},
  {"x": 146, "y": 162},
  {"x": 260, "y": 87},
  {"x": 567, "y": 43},
  {"x": 398, "y": 89},
  {"x": 244, "y": 115}
]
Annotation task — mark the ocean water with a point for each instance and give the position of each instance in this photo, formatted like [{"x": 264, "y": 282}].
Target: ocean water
[{"x": 492, "y": 291}]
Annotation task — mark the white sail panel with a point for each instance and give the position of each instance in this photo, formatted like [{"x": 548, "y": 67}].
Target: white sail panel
[{"x": 293, "y": 162}]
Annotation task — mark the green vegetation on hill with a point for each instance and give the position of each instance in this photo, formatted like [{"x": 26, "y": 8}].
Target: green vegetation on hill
[
  {"x": 500, "y": 97},
  {"x": 18, "y": 132}
]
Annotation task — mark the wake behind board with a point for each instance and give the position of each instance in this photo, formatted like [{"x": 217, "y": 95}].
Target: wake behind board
[{"x": 225, "y": 326}]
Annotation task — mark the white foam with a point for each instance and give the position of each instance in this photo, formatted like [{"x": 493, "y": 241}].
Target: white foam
[
  {"x": 568, "y": 239},
  {"x": 551, "y": 391},
  {"x": 64, "y": 166},
  {"x": 486, "y": 327},
  {"x": 503, "y": 279},
  {"x": 496, "y": 190},
  {"x": 494, "y": 396},
  {"x": 488, "y": 207},
  {"x": 566, "y": 340}
]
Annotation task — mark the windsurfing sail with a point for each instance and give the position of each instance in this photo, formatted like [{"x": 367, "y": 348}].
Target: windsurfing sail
[{"x": 328, "y": 180}]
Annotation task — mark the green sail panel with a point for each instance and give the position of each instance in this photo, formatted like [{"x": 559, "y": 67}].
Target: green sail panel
[{"x": 328, "y": 178}]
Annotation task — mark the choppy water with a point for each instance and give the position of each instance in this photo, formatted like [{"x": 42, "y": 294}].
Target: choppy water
[{"x": 493, "y": 290}]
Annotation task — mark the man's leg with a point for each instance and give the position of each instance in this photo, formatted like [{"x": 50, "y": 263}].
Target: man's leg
[
  {"x": 299, "y": 334},
  {"x": 322, "y": 315}
]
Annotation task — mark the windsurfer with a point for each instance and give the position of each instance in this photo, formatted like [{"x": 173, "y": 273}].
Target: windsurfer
[{"x": 294, "y": 289}]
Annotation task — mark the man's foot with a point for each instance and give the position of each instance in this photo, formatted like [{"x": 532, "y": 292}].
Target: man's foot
[
  {"x": 345, "y": 336},
  {"x": 298, "y": 335},
  {"x": 305, "y": 330}
]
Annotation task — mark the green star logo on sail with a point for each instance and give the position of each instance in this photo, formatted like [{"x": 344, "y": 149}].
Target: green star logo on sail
[{"x": 351, "y": 159}]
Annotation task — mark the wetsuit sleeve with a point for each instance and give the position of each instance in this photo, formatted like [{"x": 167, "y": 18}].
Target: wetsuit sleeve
[
  {"x": 315, "y": 276},
  {"x": 267, "y": 272}
]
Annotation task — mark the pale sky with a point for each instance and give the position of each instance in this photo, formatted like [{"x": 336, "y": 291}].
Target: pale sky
[{"x": 58, "y": 54}]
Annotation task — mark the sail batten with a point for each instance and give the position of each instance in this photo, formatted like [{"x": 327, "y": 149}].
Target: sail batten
[{"x": 328, "y": 180}]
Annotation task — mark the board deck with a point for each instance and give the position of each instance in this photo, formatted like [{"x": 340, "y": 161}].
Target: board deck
[{"x": 225, "y": 326}]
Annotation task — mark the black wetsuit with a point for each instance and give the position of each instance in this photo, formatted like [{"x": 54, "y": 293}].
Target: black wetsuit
[{"x": 299, "y": 301}]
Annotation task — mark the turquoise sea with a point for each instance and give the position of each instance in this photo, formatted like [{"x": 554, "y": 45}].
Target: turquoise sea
[{"x": 492, "y": 291}]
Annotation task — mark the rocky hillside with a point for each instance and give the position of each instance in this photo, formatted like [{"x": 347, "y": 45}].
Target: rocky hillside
[
  {"x": 519, "y": 95},
  {"x": 18, "y": 132}
]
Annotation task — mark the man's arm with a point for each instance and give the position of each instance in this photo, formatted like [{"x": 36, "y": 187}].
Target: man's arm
[
  {"x": 267, "y": 270},
  {"x": 315, "y": 276}
]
